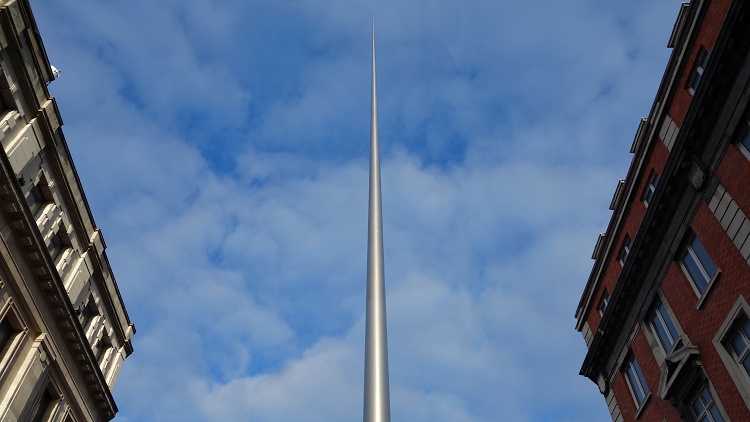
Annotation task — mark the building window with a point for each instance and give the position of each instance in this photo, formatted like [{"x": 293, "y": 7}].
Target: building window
[
  {"x": 603, "y": 302},
  {"x": 42, "y": 407},
  {"x": 739, "y": 344},
  {"x": 6, "y": 334},
  {"x": 732, "y": 342},
  {"x": 55, "y": 246},
  {"x": 35, "y": 199},
  {"x": 704, "y": 407},
  {"x": 648, "y": 192},
  {"x": 745, "y": 140},
  {"x": 39, "y": 194},
  {"x": 627, "y": 246},
  {"x": 663, "y": 327},
  {"x": 701, "y": 61},
  {"x": 636, "y": 381},
  {"x": 10, "y": 330},
  {"x": 102, "y": 347},
  {"x": 698, "y": 265}
]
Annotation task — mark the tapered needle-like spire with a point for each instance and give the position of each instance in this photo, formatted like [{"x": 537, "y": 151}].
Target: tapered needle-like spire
[{"x": 377, "y": 406}]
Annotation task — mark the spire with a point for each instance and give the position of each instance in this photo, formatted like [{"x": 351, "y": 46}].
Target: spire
[{"x": 377, "y": 406}]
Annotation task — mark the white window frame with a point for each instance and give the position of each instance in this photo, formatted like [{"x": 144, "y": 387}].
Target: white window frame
[
  {"x": 706, "y": 415},
  {"x": 744, "y": 141},
  {"x": 741, "y": 378},
  {"x": 701, "y": 62},
  {"x": 10, "y": 353},
  {"x": 707, "y": 279},
  {"x": 650, "y": 190},
  {"x": 625, "y": 250},
  {"x": 604, "y": 302},
  {"x": 661, "y": 315},
  {"x": 636, "y": 382}
]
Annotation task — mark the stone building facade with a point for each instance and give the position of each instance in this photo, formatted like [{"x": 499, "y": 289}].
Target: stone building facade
[
  {"x": 64, "y": 330},
  {"x": 665, "y": 313}
]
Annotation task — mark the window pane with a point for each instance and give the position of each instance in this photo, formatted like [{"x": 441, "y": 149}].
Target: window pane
[
  {"x": 664, "y": 327},
  {"x": 745, "y": 327},
  {"x": 34, "y": 198},
  {"x": 695, "y": 272},
  {"x": 636, "y": 381},
  {"x": 697, "y": 406},
  {"x": 746, "y": 364},
  {"x": 634, "y": 384},
  {"x": 738, "y": 344},
  {"x": 44, "y": 402},
  {"x": 6, "y": 333},
  {"x": 703, "y": 257},
  {"x": 715, "y": 414},
  {"x": 745, "y": 141}
]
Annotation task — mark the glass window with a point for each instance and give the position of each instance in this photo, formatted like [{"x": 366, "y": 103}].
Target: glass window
[
  {"x": 6, "y": 334},
  {"x": 40, "y": 410},
  {"x": 745, "y": 140},
  {"x": 704, "y": 407},
  {"x": 603, "y": 302},
  {"x": 701, "y": 61},
  {"x": 55, "y": 246},
  {"x": 35, "y": 199},
  {"x": 627, "y": 246},
  {"x": 739, "y": 344},
  {"x": 663, "y": 326},
  {"x": 698, "y": 264},
  {"x": 636, "y": 381},
  {"x": 648, "y": 193}
]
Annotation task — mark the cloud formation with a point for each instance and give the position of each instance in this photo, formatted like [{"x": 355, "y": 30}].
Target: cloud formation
[{"x": 223, "y": 148}]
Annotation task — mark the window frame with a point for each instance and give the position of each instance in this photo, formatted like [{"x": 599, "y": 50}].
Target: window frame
[
  {"x": 53, "y": 410},
  {"x": 638, "y": 380},
  {"x": 708, "y": 280},
  {"x": 697, "y": 395},
  {"x": 743, "y": 141},
  {"x": 10, "y": 350},
  {"x": 604, "y": 300},
  {"x": 650, "y": 188},
  {"x": 739, "y": 375},
  {"x": 625, "y": 250},
  {"x": 699, "y": 67},
  {"x": 663, "y": 314}
]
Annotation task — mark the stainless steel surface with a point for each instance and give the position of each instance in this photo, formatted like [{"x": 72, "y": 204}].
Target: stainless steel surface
[{"x": 377, "y": 407}]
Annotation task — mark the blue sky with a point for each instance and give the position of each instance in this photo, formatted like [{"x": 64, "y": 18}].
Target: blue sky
[{"x": 223, "y": 146}]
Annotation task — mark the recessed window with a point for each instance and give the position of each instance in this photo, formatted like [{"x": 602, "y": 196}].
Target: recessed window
[
  {"x": 663, "y": 326},
  {"x": 39, "y": 194},
  {"x": 627, "y": 246},
  {"x": 35, "y": 199},
  {"x": 102, "y": 347},
  {"x": 745, "y": 140},
  {"x": 636, "y": 381},
  {"x": 739, "y": 344},
  {"x": 9, "y": 331},
  {"x": 42, "y": 408},
  {"x": 55, "y": 246},
  {"x": 704, "y": 407},
  {"x": 648, "y": 192},
  {"x": 698, "y": 265},
  {"x": 701, "y": 61},
  {"x": 603, "y": 302}
]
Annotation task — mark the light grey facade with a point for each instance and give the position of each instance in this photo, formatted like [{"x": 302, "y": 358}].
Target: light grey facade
[{"x": 64, "y": 330}]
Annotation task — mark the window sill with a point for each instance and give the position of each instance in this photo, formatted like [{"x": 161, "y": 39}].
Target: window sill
[
  {"x": 642, "y": 406},
  {"x": 702, "y": 299}
]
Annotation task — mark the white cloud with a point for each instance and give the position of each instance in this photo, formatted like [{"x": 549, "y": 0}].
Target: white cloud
[{"x": 223, "y": 148}]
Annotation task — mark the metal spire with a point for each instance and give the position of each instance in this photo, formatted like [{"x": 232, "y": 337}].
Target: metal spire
[{"x": 377, "y": 406}]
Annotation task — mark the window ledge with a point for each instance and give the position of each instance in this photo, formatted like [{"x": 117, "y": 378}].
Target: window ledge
[
  {"x": 714, "y": 279},
  {"x": 642, "y": 406}
]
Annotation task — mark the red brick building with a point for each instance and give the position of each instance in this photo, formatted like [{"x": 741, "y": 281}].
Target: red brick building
[{"x": 665, "y": 312}]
